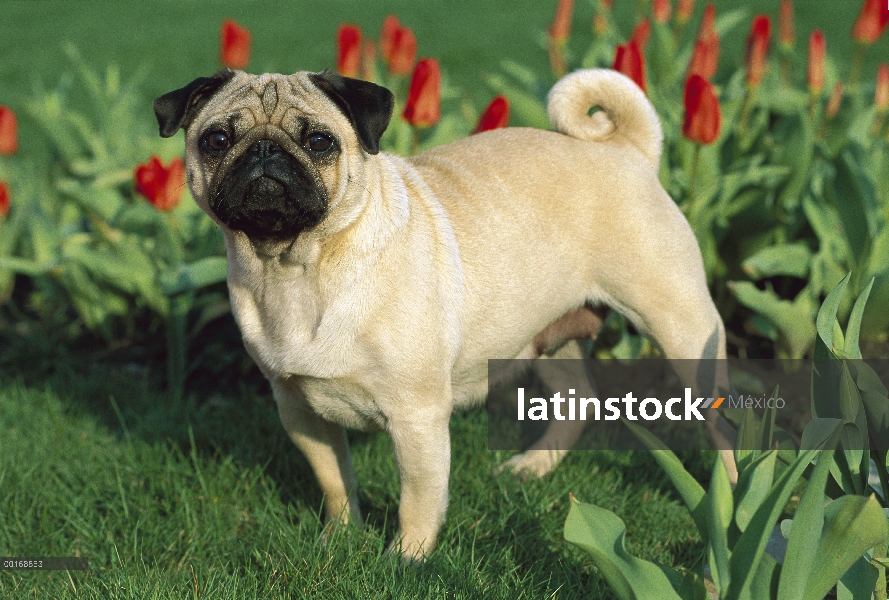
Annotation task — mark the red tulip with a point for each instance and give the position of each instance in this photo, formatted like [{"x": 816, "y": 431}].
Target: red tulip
[
  {"x": 786, "y": 35},
  {"x": 387, "y": 36},
  {"x": 684, "y": 10},
  {"x": 561, "y": 26},
  {"x": 9, "y": 138},
  {"x": 757, "y": 49},
  {"x": 234, "y": 45},
  {"x": 348, "y": 58},
  {"x": 162, "y": 186},
  {"x": 705, "y": 58},
  {"x": 4, "y": 199},
  {"x": 641, "y": 33},
  {"x": 836, "y": 99},
  {"x": 404, "y": 52},
  {"x": 817, "y": 53},
  {"x": 424, "y": 95},
  {"x": 881, "y": 98},
  {"x": 606, "y": 4},
  {"x": 495, "y": 116},
  {"x": 628, "y": 60},
  {"x": 369, "y": 61},
  {"x": 702, "y": 113},
  {"x": 662, "y": 10},
  {"x": 871, "y": 22}
]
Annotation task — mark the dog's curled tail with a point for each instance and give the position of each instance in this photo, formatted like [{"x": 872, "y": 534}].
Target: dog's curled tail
[{"x": 626, "y": 110}]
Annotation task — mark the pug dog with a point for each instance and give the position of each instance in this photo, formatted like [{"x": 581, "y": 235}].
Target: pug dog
[{"x": 371, "y": 289}]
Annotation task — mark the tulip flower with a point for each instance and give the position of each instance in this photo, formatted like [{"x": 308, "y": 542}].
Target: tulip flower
[
  {"x": 705, "y": 58},
  {"x": 234, "y": 45},
  {"x": 404, "y": 51},
  {"x": 560, "y": 29},
  {"x": 702, "y": 112},
  {"x": 786, "y": 35},
  {"x": 557, "y": 36},
  {"x": 424, "y": 95},
  {"x": 662, "y": 10},
  {"x": 641, "y": 33},
  {"x": 684, "y": 10},
  {"x": 161, "y": 186},
  {"x": 369, "y": 61},
  {"x": 495, "y": 116},
  {"x": 628, "y": 60},
  {"x": 4, "y": 200},
  {"x": 387, "y": 36},
  {"x": 836, "y": 99},
  {"x": 817, "y": 53},
  {"x": 348, "y": 58},
  {"x": 871, "y": 22},
  {"x": 9, "y": 138},
  {"x": 881, "y": 98},
  {"x": 757, "y": 49}
]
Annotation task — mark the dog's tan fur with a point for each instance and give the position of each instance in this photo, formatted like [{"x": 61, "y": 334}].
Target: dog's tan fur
[{"x": 501, "y": 245}]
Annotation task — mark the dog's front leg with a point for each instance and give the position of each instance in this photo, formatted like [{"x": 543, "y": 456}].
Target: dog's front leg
[
  {"x": 325, "y": 446},
  {"x": 422, "y": 444}
]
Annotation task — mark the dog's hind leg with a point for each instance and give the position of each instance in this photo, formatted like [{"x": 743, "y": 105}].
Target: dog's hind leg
[
  {"x": 560, "y": 435},
  {"x": 325, "y": 446}
]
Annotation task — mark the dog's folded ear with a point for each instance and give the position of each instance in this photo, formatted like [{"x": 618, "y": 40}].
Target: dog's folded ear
[
  {"x": 367, "y": 105},
  {"x": 178, "y": 108}
]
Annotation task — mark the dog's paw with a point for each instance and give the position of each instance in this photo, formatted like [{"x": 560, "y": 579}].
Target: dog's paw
[{"x": 532, "y": 463}]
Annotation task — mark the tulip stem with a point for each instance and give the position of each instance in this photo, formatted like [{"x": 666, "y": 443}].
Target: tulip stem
[
  {"x": 693, "y": 178},
  {"x": 855, "y": 71},
  {"x": 415, "y": 140}
]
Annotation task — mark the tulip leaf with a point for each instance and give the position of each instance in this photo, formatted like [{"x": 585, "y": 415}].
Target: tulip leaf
[
  {"x": 756, "y": 486},
  {"x": 853, "y": 328},
  {"x": 784, "y": 259},
  {"x": 601, "y": 533},
  {"x": 853, "y": 524},
  {"x": 719, "y": 518}
]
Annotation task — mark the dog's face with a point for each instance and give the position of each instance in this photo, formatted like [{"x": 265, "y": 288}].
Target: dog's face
[{"x": 271, "y": 155}]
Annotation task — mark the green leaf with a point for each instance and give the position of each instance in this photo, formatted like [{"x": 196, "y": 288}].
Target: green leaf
[
  {"x": 827, "y": 314},
  {"x": 853, "y": 328},
  {"x": 758, "y": 484},
  {"x": 805, "y": 532},
  {"x": 721, "y": 506},
  {"x": 194, "y": 276},
  {"x": 601, "y": 533},
  {"x": 750, "y": 548},
  {"x": 853, "y": 524},
  {"x": 783, "y": 259}
]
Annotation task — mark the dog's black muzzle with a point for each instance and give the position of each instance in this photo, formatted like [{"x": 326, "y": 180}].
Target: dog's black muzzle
[{"x": 268, "y": 194}]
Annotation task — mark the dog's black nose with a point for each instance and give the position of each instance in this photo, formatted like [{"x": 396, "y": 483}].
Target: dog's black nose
[{"x": 265, "y": 148}]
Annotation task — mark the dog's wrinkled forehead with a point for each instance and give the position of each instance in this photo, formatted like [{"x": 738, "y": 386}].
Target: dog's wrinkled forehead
[{"x": 279, "y": 100}]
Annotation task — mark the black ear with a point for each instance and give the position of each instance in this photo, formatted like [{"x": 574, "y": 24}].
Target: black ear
[
  {"x": 177, "y": 109},
  {"x": 367, "y": 105}
]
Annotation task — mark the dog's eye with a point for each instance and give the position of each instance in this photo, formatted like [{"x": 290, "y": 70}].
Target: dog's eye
[
  {"x": 319, "y": 142},
  {"x": 217, "y": 141}
]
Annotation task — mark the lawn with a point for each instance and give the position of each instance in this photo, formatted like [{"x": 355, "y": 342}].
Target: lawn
[{"x": 206, "y": 497}]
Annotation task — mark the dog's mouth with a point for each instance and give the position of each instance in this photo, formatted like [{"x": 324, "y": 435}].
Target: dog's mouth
[{"x": 268, "y": 194}]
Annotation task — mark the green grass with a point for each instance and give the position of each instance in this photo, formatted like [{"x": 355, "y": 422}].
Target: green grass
[{"x": 175, "y": 501}]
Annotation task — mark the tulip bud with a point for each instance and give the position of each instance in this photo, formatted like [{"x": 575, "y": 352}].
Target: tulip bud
[
  {"x": 881, "y": 98},
  {"x": 561, "y": 27},
  {"x": 871, "y": 22},
  {"x": 495, "y": 116},
  {"x": 662, "y": 10},
  {"x": 404, "y": 52},
  {"x": 641, "y": 33},
  {"x": 817, "y": 53},
  {"x": 684, "y": 10},
  {"x": 4, "y": 200},
  {"x": 9, "y": 140},
  {"x": 348, "y": 61},
  {"x": 369, "y": 61},
  {"x": 424, "y": 95},
  {"x": 628, "y": 60},
  {"x": 757, "y": 49},
  {"x": 234, "y": 45},
  {"x": 702, "y": 113},
  {"x": 836, "y": 99},
  {"x": 161, "y": 186},
  {"x": 387, "y": 36},
  {"x": 786, "y": 35},
  {"x": 705, "y": 57}
]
